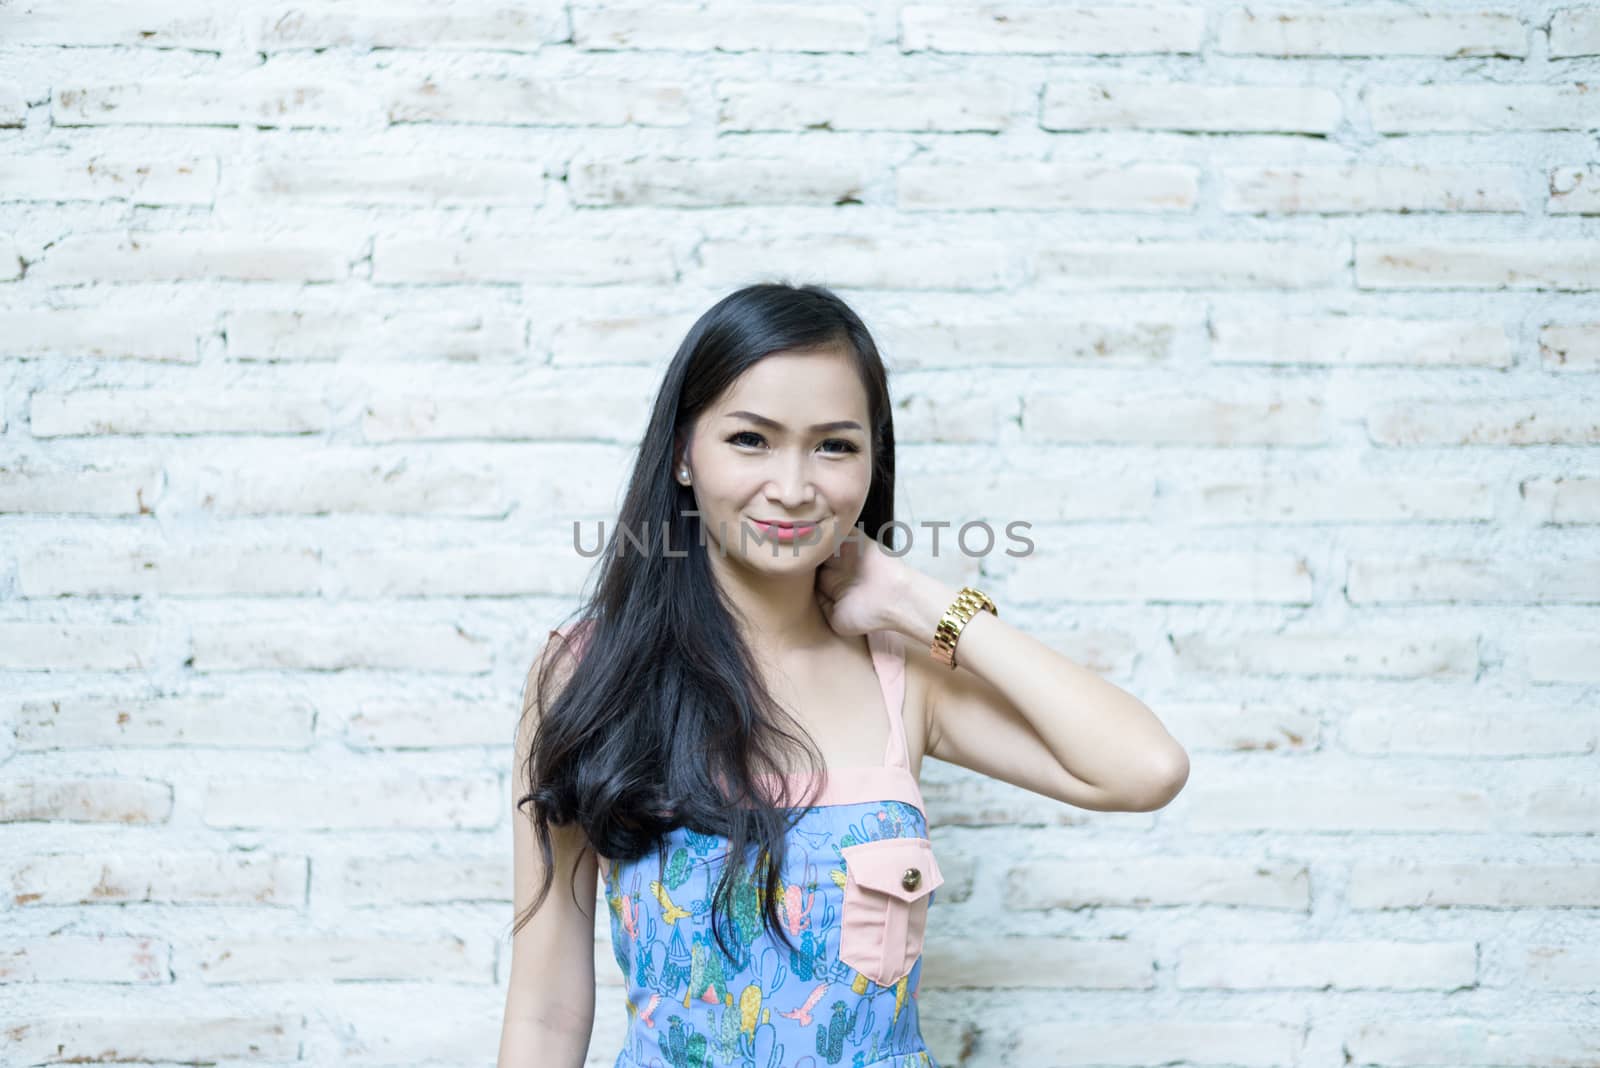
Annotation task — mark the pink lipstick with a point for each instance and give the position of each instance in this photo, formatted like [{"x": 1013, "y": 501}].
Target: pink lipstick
[{"x": 784, "y": 531}]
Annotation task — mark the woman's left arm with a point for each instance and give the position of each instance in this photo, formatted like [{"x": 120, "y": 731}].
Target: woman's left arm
[{"x": 1017, "y": 710}]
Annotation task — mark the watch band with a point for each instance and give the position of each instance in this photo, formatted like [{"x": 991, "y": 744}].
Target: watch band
[{"x": 968, "y": 603}]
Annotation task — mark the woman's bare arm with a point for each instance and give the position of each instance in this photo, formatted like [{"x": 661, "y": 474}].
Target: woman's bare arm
[
  {"x": 550, "y": 1002},
  {"x": 1018, "y": 711}
]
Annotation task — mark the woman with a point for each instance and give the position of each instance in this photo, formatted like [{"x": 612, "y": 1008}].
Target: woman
[{"x": 755, "y": 677}]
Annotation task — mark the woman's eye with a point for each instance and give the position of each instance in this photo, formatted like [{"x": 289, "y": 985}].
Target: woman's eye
[{"x": 751, "y": 439}]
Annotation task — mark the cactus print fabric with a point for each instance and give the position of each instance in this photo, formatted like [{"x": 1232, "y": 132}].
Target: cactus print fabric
[{"x": 857, "y": 881}]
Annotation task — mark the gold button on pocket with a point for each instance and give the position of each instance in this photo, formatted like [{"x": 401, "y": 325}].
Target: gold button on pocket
[{"x": 885, "y": 912}]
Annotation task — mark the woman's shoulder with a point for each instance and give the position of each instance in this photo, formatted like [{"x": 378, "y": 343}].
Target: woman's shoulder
[{"x": 574, "y": 635}]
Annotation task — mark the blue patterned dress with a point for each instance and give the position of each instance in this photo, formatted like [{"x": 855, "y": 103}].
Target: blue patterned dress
[{"x": 857, "y": 881}]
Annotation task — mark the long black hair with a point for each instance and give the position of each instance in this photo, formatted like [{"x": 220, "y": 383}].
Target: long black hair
[{"x": 664, "y": 721}]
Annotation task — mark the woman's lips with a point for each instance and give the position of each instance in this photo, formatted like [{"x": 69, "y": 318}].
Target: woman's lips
[{"x": 783, "y": 531}]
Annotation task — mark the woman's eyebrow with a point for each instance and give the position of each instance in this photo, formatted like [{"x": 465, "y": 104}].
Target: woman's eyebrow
[{"x": 840, "y": 424}]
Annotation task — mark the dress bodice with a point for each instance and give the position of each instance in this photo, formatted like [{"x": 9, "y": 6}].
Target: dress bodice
[{"x": 858, "y": 878}]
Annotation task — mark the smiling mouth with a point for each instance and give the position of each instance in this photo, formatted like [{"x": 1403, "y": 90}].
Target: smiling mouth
[{"x": 785, "y": 530}]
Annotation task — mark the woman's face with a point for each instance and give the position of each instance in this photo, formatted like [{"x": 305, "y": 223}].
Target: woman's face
[{"x": 789, "y": 441}]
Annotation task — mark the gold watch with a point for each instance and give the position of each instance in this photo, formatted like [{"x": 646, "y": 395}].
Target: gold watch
[{"x": 968, "y": 603}]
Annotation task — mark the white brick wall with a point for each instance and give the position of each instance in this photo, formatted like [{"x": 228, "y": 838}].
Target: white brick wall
[{"x": 1281, "y": 324}]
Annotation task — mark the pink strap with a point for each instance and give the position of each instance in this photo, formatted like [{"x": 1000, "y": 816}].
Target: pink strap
[
  {"x": 889, "y": 659},
  {"x": 576, "y": 642}
]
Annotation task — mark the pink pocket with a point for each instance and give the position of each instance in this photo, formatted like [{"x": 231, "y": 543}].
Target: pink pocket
[{"x": 885, "y": 914}]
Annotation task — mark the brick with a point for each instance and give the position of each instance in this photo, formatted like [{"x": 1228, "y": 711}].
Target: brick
[
  {"x": 1188, "y": 106},
  {"x": 13, "y": 106},
  {"x": 566, "y": 101},
  {"x": 77, "y": 646},
  {"x": 58, "y": 177},
  {"x": 81, "y": 568},
  {"x": 578, "y": 407},
  {"x": 235, "y": 721},
  {"x": 432, "y": 724},
  {"x": 1352, "y": 500},
  {"x": 193, "y": 1036},
  {"x": 1175, "y": 419},
  {"x": 218, "y": 877},
  {"x": 1575, "y": 31},
  {"x": 1231, "y": 728},
  {"x": 10, "y": 259},
  {"x": 1412, "y": 884},
  {"x": 94, "y": 411},
  {"x": 1574, "y": 190},
  {"x": 390, "y": 179},
  {"x": 313, "y": 334},
  {"x": 1470, "y": 107},
  {"x": 1549, "y": 966},
  {"x": 243, "y": 101},
  {"x": 1534, "y": 421},
  {"x": 974, "y": 801},
  {"x": 1045, "y": 340},
  {"x": 534, "y": 259},
  {"x": 1355, "y": 188},
  {"x": 170, "y": 335},
  {"x": 1564, "y": 657},
  {"x": 864, "y": 261},
  {"x": 1357, "y": 341},
  {"x": 1328, "y": 965},
  {"x": 1177, "y": 577},
  {"x": 337, "y": 958},
  {"x": 1400, "y": 656},
  {"x": 1379, "y": 30},
  {"x": 1002, "y": 497},
  {"x": 65, "y": 958},
  {"x": 707, "y": 183},
  {"x": 923, "y": 418},
  {"x": 1558, "y": 810},
  {"x": 1157, "y": 882},
  {"x": 722, "y": 27},
  {"x": 1021, "y": 185},
  {"x": 389, "y": 881},
  {"x": 1209, "y": 1037},
  {"x": 1372, "y": 805},
  {"x": 615, "y": 339},
  {"x": 185, "y": 24},
  {"x": 183, "y": 256},
  {"x": 383, "y": 1028},
  {"x": 1568, "y": 265},
  {"x": 1037, "y": 963},
  {"x": 1558, "y": 501},
  {"x": 1180, "y": 264},
  {"x": 1441, "y": 579},
  {"x": 97, "y": 488},
  {"x": 1471, "y": 1040},
  {"x": 1474, "y": 731},
  {"x": 387, "y": 803},
  {"x": 470, "y": 570},
  {"x": 1016, "y": 28},
  {"x": 441, "y": 647},
  {"x": 501, "y": 27},
  {"x": 96, "y": 800},
  {"x": 355, "y": 481},
  {"x": 945, "y": 106}
]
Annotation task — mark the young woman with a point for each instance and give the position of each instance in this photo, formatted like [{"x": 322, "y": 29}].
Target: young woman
[{"x": 730, "y": 732}]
